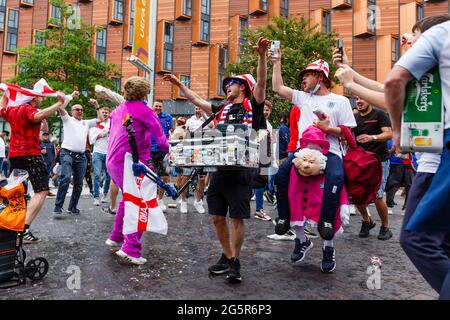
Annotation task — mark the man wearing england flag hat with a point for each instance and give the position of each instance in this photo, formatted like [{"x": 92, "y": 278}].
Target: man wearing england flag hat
[
  {"x": 334, "y": 110},
  {"x": 20, "y": 107},
  {"x": 229, "y": 191}
]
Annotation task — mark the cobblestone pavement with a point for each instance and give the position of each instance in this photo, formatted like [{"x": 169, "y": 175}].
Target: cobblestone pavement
[{"x": 177, "y": 263}]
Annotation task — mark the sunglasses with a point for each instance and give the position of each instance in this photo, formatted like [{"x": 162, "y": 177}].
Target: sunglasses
[
  {"x": 78, "y": 110},
  {"x": 231, "y": 82}
]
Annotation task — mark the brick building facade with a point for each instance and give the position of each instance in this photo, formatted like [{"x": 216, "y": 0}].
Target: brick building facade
[{"x": 197, "y": 38}]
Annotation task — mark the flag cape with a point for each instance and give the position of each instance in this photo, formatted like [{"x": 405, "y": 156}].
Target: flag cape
[
  {"x": 18, "y": 96},
  {"x": 142, "y": 212}
]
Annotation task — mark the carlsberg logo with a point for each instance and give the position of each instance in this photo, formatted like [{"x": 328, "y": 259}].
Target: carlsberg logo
[{"x": 423, "y": 92}]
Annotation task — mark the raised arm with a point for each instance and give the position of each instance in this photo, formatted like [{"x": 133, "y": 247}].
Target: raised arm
[
  {"x": 345, "y": 76},
  {"x": 109, "y": 95},
  {"x": 395, "y": 86},
  {"x": 260, "y": 89},
  {"x": 277, "y": 80},
  {"x": 191, "y": 95},
  {"x": 47, "y": 112},
  {"x": 341, "y": 61}
]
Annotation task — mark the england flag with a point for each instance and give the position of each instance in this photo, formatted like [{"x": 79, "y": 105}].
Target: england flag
[
  {"x": 18, "y": 96},
  {"x": 142, "y": 212}
]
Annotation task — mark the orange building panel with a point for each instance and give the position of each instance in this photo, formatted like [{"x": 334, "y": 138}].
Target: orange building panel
[{"x": 25, "y": 27}]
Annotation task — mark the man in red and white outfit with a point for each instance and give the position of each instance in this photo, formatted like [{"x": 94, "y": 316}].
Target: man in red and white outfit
[{"x": 20, "y": 107}]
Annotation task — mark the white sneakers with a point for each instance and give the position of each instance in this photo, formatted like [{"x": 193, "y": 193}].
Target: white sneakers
[
  {"x": 198, "y": 205},
  {"x": 183, "y": 206},
  {"x": 112, "y": 244},
  {"x": 96, "y": 202},
  {"x": 128, "y": 258},
  {"x": 104, "y": 198},
  {"x": 162, "y": 205},
  {"x": 352, "y": 209}
]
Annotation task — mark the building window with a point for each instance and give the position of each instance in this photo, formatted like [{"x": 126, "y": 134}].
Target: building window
[
  {"x": 284, "y": 8},
  {"x": 326, "y": 21},
  {"x": 187, "y": 7},
  {"x": 420, "y": 14},
  {"x": 2, "y": 14},
  {"x": 371, "y": 16},
  {"x": 119, "y": 9},
  {"x": 243, "y": 25},
  {"x": 395, "y": 55},
  {"x": 117, "y": 84},
  {"x": 12, "y": 30},
  {"x": 56, "y": 13},
  {"x": 131, "y": 24},
  {"x": 205, "y": 20},
  {"x": 223, "y": 63},
  {"x": 27, "y": 2},
  {"x": 168, "y": 46},
  {"x": 186, "y": 80},
  {"x": 264, "y": 4},
  {"x": 39, "y": 38},
  {"x": 100, "y": 45}
]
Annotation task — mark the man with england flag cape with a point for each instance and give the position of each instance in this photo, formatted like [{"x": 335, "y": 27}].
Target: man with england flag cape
[{"x": 20, "y": 107}]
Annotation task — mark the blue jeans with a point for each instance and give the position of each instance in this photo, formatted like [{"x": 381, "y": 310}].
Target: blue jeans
[
  {"x": 271, "y": 184},
  {"x": 385, "y": 167},
  {"x": 259, "y": 199},
  {"x": 71, "y": 164},
  {"x": 99, "y": 164}
]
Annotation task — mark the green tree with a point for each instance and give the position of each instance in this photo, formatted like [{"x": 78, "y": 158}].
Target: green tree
[
  {"x": 66, "y": 61},
  {"x": 300, "y": 45}
]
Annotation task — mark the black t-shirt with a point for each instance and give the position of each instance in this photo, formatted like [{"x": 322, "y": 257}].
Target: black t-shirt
[
  {"x": 237, "y": 111},
  {"x": 371, "y": 124}
]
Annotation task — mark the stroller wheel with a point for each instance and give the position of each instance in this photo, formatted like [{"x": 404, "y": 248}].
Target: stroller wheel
[
  {"x": 37, "y": 268},
  {"x": 20, "y": 260}
]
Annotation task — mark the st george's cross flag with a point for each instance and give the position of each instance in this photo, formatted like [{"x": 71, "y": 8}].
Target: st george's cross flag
[
  {"x": 18, "y": 96},
  {"x": 142, "y": 212}
]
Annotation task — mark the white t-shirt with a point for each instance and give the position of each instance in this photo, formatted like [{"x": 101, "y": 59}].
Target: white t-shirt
[
  {"x": 337, "y": 107},
  {"x": 75, "y": 133},
  {"x": 2, "y": 148},
  {"x": 100, "y": 144},
  {"x": 428, "y": 162},
  {"x": 193, "y": 123}
]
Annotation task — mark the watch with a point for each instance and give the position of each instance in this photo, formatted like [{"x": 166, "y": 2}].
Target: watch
[{"x": 374, "y": 138}]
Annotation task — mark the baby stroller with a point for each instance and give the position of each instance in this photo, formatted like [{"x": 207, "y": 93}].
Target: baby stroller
[{"x": 13, "y": 270}]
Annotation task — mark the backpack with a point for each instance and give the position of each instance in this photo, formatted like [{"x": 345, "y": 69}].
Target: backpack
[{"x": 363, "y": 171}]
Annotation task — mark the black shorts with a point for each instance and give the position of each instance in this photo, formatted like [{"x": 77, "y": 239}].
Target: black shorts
[
  {"x": 229, "y": 191},
  {"x": 157, "y": 162},
  {"x": 37, "y": 171}
]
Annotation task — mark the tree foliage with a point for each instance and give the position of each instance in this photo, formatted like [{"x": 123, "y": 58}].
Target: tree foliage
[
  {"x": 300, "y": 45},
  {"x": 66, "y": 61}
]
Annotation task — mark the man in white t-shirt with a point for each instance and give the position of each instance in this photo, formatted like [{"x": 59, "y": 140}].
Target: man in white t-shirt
[
  {"x": 338, "y": 111},
  {"x": 98, "y": 136},
  {"x": 72, "y": 157}
]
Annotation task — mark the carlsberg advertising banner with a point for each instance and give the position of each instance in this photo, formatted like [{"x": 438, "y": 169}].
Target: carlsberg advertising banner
[{"x": 423, "y": 115}]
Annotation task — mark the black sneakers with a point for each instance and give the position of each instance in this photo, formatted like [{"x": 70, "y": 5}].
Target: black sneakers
[
  {"x": 234, "y": 275},
  {"x": 366, "y": 226},
  {"x": 28, "y": 237},
  {"x": 282, "y": 226},
  {"x": 328, "y": 261},
  {"x": 309, "y": 233},
  {"x": 385, "y": 233},
  {"x": 222, "y": 266},
  {"x": 300, "y": 250}
]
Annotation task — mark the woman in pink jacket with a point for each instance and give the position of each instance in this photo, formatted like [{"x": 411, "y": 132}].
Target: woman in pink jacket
[{"x": 146, "y": 125}]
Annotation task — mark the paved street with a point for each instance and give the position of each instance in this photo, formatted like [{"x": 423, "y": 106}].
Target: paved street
[{"x": 177, "y": 263}]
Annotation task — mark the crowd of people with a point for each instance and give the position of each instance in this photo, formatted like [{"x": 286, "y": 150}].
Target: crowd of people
[{"x": 301, "y": 200}]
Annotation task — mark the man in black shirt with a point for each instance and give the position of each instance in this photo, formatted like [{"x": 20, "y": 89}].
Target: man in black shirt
[
  {"x": 372, "y": 132},
  {"x": 229, "y": 191}
]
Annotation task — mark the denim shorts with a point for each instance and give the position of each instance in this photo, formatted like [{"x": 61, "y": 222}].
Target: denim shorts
[{"x": 385, "y": 168}]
